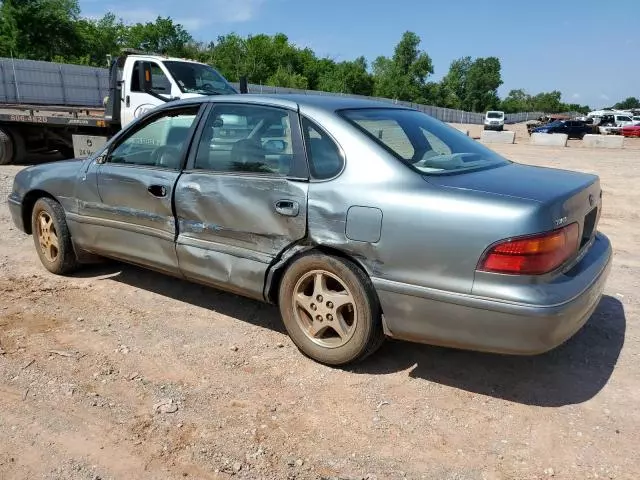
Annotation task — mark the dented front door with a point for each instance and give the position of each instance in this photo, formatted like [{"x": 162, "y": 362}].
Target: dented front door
[
  {"x": 128, "y": 212},
  {"x": 243, "y": 198}
]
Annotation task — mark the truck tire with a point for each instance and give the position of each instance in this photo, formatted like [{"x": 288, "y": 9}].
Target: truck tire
[
  {"x": 6, "y": 148},
  {"x": 11, "y": 147}
]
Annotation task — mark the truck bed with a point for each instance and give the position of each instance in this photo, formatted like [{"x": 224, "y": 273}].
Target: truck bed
[{"x": 52, "y": 115}]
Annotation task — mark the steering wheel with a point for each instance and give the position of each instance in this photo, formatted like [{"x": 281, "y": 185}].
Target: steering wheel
[{"x": 166, "y": 156}]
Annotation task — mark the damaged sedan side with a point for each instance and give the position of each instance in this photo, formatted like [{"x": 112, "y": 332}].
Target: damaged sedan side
[{"x": 359, "y": 219}]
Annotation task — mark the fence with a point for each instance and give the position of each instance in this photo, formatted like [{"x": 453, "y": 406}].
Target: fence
[
  {"x": 448, "y": 115},
  {"x": 49, "y": 83}
]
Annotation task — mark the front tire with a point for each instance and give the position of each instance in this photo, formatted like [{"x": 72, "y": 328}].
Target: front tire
[
  {"x": 330, "y": 309},
  {"x": 51, "y": 237}
]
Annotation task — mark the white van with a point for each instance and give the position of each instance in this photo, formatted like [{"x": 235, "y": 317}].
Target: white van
[{"x": 494, "y": 120}]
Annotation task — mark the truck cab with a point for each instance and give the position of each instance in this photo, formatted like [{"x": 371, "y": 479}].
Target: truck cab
[
  {"x": 140, "y": 83},
  {"x": 49, "y": 107}
]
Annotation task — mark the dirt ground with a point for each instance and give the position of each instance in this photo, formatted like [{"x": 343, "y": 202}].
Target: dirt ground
[{"x": 120, "y": 373}]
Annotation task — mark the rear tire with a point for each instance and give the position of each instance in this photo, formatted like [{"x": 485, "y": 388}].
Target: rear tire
[
  {"x": 6, "y": 148},
  {"x": 52, "y": 238},
  {"x": 330, "y": 309}
]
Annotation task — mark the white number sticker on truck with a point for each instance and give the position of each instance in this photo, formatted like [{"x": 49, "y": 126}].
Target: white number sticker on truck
[{"x": 86, "y": 145}]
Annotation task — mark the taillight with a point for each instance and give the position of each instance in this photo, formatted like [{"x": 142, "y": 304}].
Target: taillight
[{"x": 532, "y": 255}]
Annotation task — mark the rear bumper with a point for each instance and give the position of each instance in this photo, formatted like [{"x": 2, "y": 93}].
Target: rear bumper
[
  {"x": 15, "y": 208},
  {"x": 471, "y": 322}
]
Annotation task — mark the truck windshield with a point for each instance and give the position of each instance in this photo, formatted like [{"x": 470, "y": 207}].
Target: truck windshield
[
  {"x": 422, "y": 142},
  {"x": 494, "y": 114},
  {"x": 199, "y": 78}
]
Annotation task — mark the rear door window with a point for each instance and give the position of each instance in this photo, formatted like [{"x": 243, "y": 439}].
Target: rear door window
[
  {"x": 325, "y": 158},
  {"x": 249, "y": 139}
]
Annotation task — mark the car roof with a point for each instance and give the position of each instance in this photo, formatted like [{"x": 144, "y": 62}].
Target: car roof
[{"x": 329, "y": 103}]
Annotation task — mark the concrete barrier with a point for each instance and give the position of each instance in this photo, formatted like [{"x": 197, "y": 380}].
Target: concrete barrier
[
  {"x": 603, "y": 141},
  {"x": 489, "y": 136},
  {"x": 550, "y": 139}
]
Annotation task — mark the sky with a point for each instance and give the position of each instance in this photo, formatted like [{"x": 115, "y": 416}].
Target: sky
[{"x": 588, "y": 49}]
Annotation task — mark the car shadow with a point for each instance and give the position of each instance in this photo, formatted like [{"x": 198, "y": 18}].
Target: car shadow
[
  {"x": 244, "y": 309},
  {"x": 570, "y": 374}
]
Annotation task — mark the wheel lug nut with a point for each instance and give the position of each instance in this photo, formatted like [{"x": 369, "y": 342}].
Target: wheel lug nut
[
  {"x": 319, "y": 298},
  {"x": 313, "y": 307},
  {"x": 329, "y": 305},
  {"x": 319, "y": 318},
  {"x": 330, "y": 317}
]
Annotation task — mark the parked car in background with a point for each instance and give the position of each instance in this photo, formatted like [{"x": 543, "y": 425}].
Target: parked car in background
[
  {"x": 631, "y": 131},
  {"x": 636, "y": 120},
  {"x": 573, "y": 128},
  {"x": 358, "y": 218},
  {"x": 494, "y": 120}
]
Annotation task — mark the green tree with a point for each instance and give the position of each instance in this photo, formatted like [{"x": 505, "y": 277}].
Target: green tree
[
  {"x": 453, "y": 87},
  {"x": 517, "y": 101},
  {"x": 40, "y": 29},
  {"x": 630, "y": 102},
  {"x": 101, "y": 37},
  {"x": 347, "y": 77},
  {"x": 162, "y": 36},
  {"x": 482, "y": 82},
  {"x": 548, "y": 102},
  {"x": 404, "y": 75},
  {"x": 288, "y": 79},
  {"x": 8, "y": 30}
]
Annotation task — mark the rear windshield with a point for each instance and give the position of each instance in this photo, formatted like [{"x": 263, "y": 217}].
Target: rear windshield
[
  {"x": 494, "y": 115},
  {"x": 423, "y": 143}
]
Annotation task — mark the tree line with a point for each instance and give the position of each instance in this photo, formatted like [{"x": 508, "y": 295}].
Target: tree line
[{"x": 54, "y": 30}]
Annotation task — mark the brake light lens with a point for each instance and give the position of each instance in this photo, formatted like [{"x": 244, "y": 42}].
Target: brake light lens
[{"x": 532, "y": 255}]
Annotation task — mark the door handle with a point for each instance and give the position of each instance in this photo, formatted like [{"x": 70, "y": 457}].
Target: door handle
[
  {"x": 127, "y": 101},
  {"x": 157, "y": 190},
  {"x": 288, "y": 208}
]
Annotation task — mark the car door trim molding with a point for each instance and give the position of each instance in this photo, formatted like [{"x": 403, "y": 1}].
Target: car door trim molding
[
  {"x": 109, "y": 223},
  {"x": 185, "y": 240}
]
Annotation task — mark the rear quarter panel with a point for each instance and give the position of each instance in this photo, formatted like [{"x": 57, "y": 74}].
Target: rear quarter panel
[{"x": 430, "y": 236}]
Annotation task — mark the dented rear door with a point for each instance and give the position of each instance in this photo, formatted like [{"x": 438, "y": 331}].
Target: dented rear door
[{"x": 243, "y": 198}]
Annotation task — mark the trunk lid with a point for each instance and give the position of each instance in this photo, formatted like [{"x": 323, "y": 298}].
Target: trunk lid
[{"x": 564, "y": 196}]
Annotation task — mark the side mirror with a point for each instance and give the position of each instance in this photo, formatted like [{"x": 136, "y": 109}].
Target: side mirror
[{"x": 146, "y": 82}]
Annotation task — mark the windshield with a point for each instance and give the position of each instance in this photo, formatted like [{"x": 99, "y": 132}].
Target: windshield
[
  {"x": 422, "y": 142},
  {"x": 624, "y": 119},
  {"x": 494, "y": 114},
  {"x": 198, "y": 78},
  {"x": 555, "y": 123}
]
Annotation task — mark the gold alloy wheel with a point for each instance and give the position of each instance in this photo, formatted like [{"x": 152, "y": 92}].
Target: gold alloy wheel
[
  {"x": 47, "y": 236},
  {"x": 325, "y": 309}
]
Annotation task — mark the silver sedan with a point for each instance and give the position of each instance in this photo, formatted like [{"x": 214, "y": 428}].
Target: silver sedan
[{"x": 359, "y": 219}]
